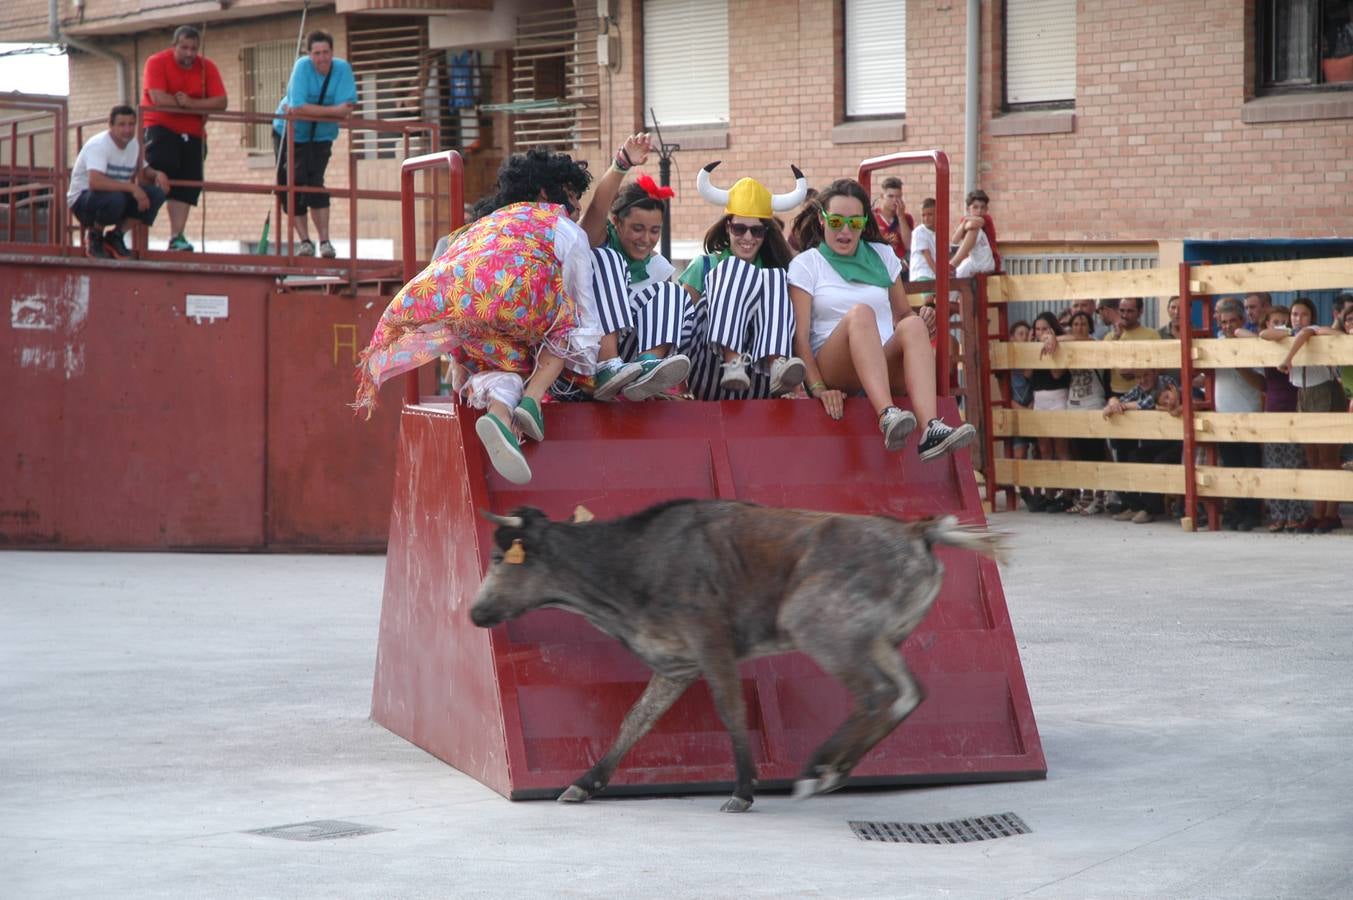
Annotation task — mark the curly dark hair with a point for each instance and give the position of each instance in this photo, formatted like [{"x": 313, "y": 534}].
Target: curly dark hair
[
  {"x": 523, "y": 176},
  {"x": 807, "y": 228}
]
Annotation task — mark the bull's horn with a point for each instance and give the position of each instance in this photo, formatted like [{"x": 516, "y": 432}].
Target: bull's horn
[
  {"x": 505, "y": 521},
  {"x": 786, "y": 202},
  {"x": 717, "y": 196},
  {"x": 582, "y": 514}
]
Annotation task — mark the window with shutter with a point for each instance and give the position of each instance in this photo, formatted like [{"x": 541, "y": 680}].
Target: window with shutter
[
  {"x": 685, "y": 62},
  {"x": 555, "y": 80},
  {"x": 875, "y": 58},
  {"x": 1040, "y": 52},
  {"x": 392, "y": 67},
  {"x": 266, "y": 69}
]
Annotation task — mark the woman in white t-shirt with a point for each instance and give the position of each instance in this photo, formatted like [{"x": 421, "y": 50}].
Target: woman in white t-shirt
[{"x": 855, "y": 330}]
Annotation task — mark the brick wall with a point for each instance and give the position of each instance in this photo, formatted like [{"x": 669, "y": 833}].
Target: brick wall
[{"x": 1159, "y": 150}]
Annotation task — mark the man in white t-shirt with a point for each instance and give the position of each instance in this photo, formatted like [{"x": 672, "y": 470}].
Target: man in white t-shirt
[
  {"x": 922, "y": 265},
  {"x": 1239, "y": 391},
  {"x": 108, "y": 189}
]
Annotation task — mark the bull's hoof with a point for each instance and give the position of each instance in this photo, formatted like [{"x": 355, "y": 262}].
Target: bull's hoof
[
  {"x": 735, "y": 804},
  {"x": 573, "y": 794},
  {"x": 830, "y": 781},
  {"x": 804, "y": 788}
]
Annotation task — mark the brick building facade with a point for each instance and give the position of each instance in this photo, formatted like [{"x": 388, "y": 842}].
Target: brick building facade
[{"x": 1169, "y": 133}]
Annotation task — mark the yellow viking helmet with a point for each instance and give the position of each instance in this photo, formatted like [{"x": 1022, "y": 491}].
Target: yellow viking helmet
[{"x": 749, "y": 197}]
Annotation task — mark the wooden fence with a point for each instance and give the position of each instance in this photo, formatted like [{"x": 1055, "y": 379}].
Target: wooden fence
[{"x": 1197, "y": 352}]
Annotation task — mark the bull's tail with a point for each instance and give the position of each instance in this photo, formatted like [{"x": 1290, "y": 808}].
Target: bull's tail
[{"x": 946, "y": 530}]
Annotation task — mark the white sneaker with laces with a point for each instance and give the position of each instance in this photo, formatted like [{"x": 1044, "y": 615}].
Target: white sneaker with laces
[
  {"x": 896, "y": 424},
  {"x": 786, "y": 374},
  {"x": 735, "y": 377},
  {"x": 305, "y": 248},
  {"x": 327, "y": 250}
]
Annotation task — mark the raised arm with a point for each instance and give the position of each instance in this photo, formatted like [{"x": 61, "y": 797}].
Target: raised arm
[{"x": 634, "y": 152}]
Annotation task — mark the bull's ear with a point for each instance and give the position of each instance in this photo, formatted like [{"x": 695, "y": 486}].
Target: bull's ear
[
  {"x": 582, "y": 514},
  {"x": 516, "y": 554}
]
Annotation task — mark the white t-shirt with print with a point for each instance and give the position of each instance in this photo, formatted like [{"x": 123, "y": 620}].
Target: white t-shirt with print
[
  {"x": 102, "y": 154},
  {"x": 922, "y": 238},
  {"x": 833, "y": 297}
]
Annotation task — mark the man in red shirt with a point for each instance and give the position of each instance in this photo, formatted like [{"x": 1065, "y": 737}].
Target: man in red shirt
[
  {"x": 894, "y": 221},
  {"x": 176, "y": 142}
]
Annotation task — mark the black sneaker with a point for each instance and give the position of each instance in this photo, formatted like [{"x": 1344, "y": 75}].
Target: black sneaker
[
  {"x": 939, "y": 439},
  {"x": 94, "y": 246},
  {"x": 116, "y": 245}
]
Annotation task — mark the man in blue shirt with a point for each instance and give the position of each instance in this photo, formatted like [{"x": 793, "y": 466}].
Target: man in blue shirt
[{"x": 321, "y": 86}]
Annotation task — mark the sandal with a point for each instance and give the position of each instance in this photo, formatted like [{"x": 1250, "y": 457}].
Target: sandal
[
  {"x": 503, "y": 448},
  {"x": 528, "y": 418}
]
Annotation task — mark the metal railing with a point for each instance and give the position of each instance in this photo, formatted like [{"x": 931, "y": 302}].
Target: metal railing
[{"x": 46, "y": 185}]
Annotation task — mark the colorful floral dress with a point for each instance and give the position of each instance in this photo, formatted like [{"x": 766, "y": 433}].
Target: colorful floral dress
[{"x": 488, "y": 301}]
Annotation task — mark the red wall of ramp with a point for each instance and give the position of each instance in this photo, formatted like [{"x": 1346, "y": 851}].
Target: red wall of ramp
[
  {"x": 528, "y": 706},
  {"x": 128, "y": 425}
]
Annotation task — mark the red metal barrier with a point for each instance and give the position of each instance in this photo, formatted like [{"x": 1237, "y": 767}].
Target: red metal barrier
[
  {"x": 129, "y": 425},
  {"x": 527, "y": 707}
]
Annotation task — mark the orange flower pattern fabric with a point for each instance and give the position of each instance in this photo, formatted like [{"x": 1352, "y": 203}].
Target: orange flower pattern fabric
[{"x": 488, "y": 301}]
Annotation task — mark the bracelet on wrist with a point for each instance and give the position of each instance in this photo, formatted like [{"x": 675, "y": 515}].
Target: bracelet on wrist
[
  {"x": 815, "y": 386},
  {"x": 622, "y": 160}
]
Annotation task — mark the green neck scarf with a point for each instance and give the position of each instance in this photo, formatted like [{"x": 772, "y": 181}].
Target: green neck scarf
[
  {"x": 863, "y": 267},
  {"x": 638, "y": 267}
]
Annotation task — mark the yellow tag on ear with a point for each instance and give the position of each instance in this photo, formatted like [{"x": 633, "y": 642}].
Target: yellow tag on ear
[
  {"x": 582, "y": 514},
  {"x": 516, "y": 554}
]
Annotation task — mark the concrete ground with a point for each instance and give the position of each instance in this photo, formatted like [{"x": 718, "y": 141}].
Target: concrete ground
[{"x": 1192, "y": 693}]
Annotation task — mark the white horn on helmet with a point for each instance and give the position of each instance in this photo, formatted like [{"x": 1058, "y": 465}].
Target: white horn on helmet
[
  {"x": 786, "y": 202},
  {"x": 717, "y": 196}
]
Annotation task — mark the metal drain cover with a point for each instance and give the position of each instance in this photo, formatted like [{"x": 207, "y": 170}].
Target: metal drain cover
[
  {"x": 955, "y": 831},
  {"x": 319, "y": 830}
]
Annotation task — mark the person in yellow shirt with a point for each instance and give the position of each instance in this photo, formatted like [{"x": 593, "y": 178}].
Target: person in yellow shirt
[{"x": 1128, "y": 328}]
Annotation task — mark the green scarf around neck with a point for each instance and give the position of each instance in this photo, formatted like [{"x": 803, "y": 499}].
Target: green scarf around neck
[
  {"x": 863, "y": 267},
  {"x": 638, "y": 267}
]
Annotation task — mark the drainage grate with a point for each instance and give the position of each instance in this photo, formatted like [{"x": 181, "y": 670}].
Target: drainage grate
[
  {"x": 319, "y": 830},
  {"x": 955, "y": 831}
]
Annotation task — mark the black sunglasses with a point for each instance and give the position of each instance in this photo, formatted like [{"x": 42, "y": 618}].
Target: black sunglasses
[{"x": 738, "y": 230}]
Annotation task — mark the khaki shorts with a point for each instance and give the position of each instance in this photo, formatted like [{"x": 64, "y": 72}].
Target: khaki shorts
[{"x": 1328, "y": 396}]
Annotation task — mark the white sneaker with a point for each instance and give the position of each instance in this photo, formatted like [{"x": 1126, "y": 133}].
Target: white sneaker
[
  {"x": 305, "y": 248},
  {"x": 896, "y": 424},
  {"x": 786, "y": 374},
  {"x": 327, "y": 250},
  {"x": 735, "y": 377}
]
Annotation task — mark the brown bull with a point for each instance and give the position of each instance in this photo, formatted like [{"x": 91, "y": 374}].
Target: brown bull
[{"x": 694, "y": 586}]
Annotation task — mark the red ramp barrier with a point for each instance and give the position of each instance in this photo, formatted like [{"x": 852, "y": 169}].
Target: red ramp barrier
[{"x": 528, "y": 706}]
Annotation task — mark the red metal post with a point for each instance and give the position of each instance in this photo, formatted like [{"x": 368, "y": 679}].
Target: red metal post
[
  {"x": 455, "y": 192},
  {"x": 941, "y": 163},
  {"x": 983, "y": 374},
  {"x": 1186, "y": 389}
]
